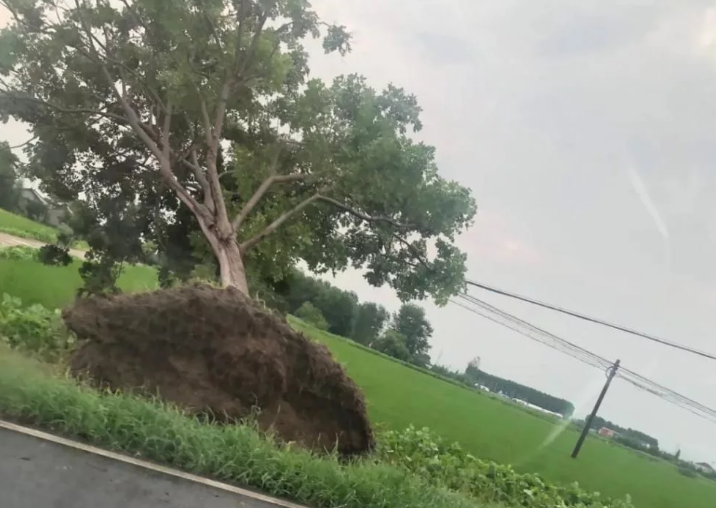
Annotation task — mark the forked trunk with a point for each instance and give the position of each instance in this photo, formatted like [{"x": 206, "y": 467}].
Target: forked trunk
[{"x": 231, "y": 265}]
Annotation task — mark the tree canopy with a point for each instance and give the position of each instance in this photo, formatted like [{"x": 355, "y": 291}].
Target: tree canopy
[
  {"x": 411, "y": 322},
  {"x": 132, "y": 103},
  {"x": 9, "y": 182},
  {"x": 371, "y": 319}
]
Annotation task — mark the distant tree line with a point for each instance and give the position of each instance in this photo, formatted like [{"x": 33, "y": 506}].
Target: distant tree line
[
  {"x": 404, "y": 335},
  {"x": 640, "y": 441},
  {"x": 472, "y": 376},
  {"x": 516, "y": 390},
  {"x": 627, "y": 436}
]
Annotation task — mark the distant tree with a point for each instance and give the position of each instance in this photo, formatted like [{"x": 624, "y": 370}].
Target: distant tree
[
  {"x": 410, "y": 322},
  {"x": 9, "y": 182},
  {"x": 339, "y": 307},
  {"x": 392, "y": 343},
  {"x": 299, "y": 287},
  {"x": 632, "y": 436},
  {"x": 311, "y": 315},
  {"x": 370, "y": 321},
  {"x": 677, "y": 455},
  {"x": 420, "y": 359}
]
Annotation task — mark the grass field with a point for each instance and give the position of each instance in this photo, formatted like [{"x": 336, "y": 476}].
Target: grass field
[
  {"x": 17, "y": 225},
  {"x": 399, "y": 396},
  {"x": 56, "y": 286}
]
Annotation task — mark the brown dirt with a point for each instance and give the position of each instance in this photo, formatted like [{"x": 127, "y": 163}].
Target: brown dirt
[{"x": 213, "y": 351}]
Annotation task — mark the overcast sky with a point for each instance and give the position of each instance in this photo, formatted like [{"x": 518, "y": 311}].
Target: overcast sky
[{"x": 587, "y": 133}]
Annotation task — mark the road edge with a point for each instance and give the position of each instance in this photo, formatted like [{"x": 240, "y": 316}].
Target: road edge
[{"x": 146, "y": 465}]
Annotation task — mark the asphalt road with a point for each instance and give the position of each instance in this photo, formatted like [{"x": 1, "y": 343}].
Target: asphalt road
[{"x": 35, "y": 473}]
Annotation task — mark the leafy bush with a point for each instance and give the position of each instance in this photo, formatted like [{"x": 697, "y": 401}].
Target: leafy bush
[
  {"x": 54, "y": 255},
  {"x": 312, "y": 315},
  {"x": 688, "y": 472},
  {"x": 18, "y": 252},
  {"x": 33, "y": 329},
  {"x": 443, "y": 465}
]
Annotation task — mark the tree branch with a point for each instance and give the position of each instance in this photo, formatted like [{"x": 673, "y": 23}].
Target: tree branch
[
  {"x": 33, "y": 138},
  {"x": 86, "y": 111},
  {"x": 140, "y": 129},
  {"x": 234, "y": 72},
  {"x": 166, "y": 130},
  {"x": 248, "y": 244},
  {"x": 361, "y": 215},
  {"x": 271, "y": 228},
  {"x": 263, "y": 188}
]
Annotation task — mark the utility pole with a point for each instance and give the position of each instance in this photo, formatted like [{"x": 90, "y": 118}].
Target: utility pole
[{"x": 611, "y": 372}]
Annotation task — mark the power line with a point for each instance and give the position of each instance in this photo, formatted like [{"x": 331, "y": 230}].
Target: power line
[
  {"x": 593, "y": 320},
  {"x": 516, "y": 324}
]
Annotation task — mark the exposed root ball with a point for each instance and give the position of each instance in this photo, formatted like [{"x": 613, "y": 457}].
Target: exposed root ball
[{"x": 213, "y": 350}]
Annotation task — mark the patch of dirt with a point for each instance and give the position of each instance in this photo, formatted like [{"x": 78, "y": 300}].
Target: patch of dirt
[{"x": 214, "y": 351}]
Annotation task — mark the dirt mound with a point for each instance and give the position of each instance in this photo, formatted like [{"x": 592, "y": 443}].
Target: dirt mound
[{"x": 214, "y": 351}]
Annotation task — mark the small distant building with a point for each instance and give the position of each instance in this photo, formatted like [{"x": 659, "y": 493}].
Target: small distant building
[
  {"x": 607, "y": 432},
  {"x": 38, "y": 207},
  {"x": 705, "y": 468}
]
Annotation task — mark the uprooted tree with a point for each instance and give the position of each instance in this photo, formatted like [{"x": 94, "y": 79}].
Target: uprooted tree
[{"x": 130, "y": 104}]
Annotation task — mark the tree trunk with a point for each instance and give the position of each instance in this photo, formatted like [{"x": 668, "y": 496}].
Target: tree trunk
[{"x": 231, "y": 265}]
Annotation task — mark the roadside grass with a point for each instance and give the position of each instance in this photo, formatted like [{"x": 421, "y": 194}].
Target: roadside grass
[
  {"x": 56, "y": 286},
  {"x": 399, "y": 396},
  {"x": 32, "y": 394},
  {"x": 23, "y": 227}
]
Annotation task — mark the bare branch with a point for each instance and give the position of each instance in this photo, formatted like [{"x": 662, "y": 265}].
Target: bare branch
[
  {"x": 214, "y": 33},
  {"x": 201, "y": 178},
  {"x": 361, "y": 215},
  {"x": 166, "y": 129},
  {"x": 263, "y": 188},
  {"x": 205, "y": 118},
  {"x": 271, "y": 228},
  {"x": 231, "y": 75},
  {"x": 33, "y": 138},
  {"x": 60, "y": 109}
]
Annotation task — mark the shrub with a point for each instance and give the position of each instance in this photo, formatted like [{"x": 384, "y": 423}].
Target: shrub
[
  {"x": 18, "y": 252},
  {"x": 443, "y": 465},
  {"x": 312, "y": 315},
  {"x": 54, "y": 255},
  {"x": 33, "y": 329},
  {"x": 688, "y": 472}
]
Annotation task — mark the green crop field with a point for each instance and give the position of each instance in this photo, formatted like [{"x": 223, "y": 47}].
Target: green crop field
[
  {"x": 56, "y": 286},
  {"x": 399, "y": 396}
]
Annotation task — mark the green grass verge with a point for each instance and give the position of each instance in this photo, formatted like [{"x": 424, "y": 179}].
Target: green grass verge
[
  {"x": 399, "y": 396},
  {"x": 236, "y": 454},
  {"x": 56, "y": 286},
  {"x": 23, "y": 227}
]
